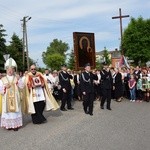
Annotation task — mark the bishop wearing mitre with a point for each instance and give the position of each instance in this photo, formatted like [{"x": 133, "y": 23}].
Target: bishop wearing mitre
[{"x": 11, "y": 117}]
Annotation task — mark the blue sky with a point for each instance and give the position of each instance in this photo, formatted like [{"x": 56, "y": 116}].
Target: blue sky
[{"x": 60, "y": 18}]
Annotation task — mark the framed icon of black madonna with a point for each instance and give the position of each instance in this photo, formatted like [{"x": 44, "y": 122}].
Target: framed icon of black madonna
[{"x": 84, "y": 49}]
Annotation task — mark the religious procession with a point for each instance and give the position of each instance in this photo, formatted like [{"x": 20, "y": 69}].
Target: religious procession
[
  {"x": 28, "y": 94},
  {"x": 34, "y": 92}
]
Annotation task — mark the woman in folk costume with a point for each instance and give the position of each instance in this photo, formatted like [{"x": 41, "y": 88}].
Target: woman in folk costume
[
  {"x": 38, "y": 96},
  {"x": 11, "y": 117}
]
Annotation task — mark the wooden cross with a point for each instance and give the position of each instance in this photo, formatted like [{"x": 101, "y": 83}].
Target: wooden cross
[{"x": 120, "y": 17}]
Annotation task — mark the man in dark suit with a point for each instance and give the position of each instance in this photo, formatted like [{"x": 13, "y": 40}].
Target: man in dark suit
[
  {"x": 106, "y": 87},
  {"x": 87, "y": 89},
  {"x": 64, "y": 81}
]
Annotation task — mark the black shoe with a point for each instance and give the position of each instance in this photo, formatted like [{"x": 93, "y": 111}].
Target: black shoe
[
  {"x": 16, "y": 129},
  {"x": 10, "y": 129},
  {"x": 71, "y": 108},
  {"x": 91, "y": 114},
  {"x": 37, "y": 123},
  {"x": 85, "y": 110},
  {"x": 109, "y": 108},
  {"x": 102, "y": 107},
  {"x": 63, "y": 109},
  {"x": 45, "y": 121}
]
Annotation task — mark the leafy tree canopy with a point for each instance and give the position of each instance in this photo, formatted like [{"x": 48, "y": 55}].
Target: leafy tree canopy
[
  {"x": 54, "y": 61},
  {"x": 136, "y": 40},
  {"x": 55, "y": 54},
  {"x": 71, "y": 61},
  {"x": 15, "y": 49},
  {"x": 57, "y": 46},
  {"x": 106, "y": 57},
  {"x": 2, "y": 46}
]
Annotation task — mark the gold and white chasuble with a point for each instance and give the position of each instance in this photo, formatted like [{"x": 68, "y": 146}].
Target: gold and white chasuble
[{"x": 11, "y": 102}]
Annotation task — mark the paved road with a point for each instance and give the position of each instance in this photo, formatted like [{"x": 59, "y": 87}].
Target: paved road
[{"x": 126, "y": 127}]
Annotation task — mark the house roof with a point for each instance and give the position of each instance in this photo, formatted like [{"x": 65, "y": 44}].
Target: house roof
[{"x": 114, "y": 53}]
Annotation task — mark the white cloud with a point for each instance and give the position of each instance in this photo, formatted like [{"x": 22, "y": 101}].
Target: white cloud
[
  {"x": 103, "y": 35},
  {"x": 59, "y": 18}
]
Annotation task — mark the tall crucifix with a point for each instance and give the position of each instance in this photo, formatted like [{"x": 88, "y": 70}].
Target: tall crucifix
[{"x": 120, "y": 17}]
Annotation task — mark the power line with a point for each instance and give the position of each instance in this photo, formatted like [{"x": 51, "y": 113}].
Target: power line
[{"x": 11, "y": 11}]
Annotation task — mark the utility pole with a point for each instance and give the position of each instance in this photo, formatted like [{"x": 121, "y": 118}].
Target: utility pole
[
  {"x": 120, "y": 17},
  {"x": 25, "y": 42}
]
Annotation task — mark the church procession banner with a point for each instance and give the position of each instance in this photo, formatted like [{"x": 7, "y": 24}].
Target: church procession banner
[{"x": 84, "y": 49}]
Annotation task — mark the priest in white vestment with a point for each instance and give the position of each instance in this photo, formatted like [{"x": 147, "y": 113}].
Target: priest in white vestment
[
  {"x": 38, "y": 96},
  {"x": 11, "y": 117}
]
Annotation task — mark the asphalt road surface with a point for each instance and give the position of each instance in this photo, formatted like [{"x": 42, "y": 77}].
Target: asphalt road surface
[{"x": 126, "y": 127}]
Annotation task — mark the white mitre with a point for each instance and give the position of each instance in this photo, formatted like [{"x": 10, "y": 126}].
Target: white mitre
[{"x": 10, "y": 63}]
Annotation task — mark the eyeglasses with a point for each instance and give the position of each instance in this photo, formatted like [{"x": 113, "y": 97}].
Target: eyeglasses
[{"x": 33, "y": 69}]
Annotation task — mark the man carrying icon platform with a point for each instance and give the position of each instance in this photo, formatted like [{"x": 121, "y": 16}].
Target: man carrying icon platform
[{"x": 38, "y": 96}]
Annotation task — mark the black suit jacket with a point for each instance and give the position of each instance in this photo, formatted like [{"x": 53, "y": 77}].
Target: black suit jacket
[
  {"x": 118, "y": 80},
  {"x": 75, "y": 80},
  {"x": 106, "y": 80},
  {"x": 64, "y": 80},
  {"x": 86, "y": 82}
]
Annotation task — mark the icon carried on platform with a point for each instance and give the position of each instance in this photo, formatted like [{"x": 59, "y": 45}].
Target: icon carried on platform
[
  {"x": 37, "y": 81},
  {"x": 84, "y": 49}
]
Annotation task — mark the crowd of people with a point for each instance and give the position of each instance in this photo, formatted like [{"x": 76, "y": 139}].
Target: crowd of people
[
  {"x": 33, "y": 92},
  {"x": 131, "y": 83}
]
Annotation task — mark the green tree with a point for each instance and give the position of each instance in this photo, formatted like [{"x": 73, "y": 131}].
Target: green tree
[
  {"x": 99, "y": 65},
  {"x": 107, "y": 60},
  {"x": 136, "y": 40},
  {"x": 57, "y": 46},
  {"x": 54, "y": 61},
  {"x": 55, "y": 51},
  {"x": 15, "y": 49},
  {"x": 71, "y": 62},
  {"x": 2, "y": 47}
]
